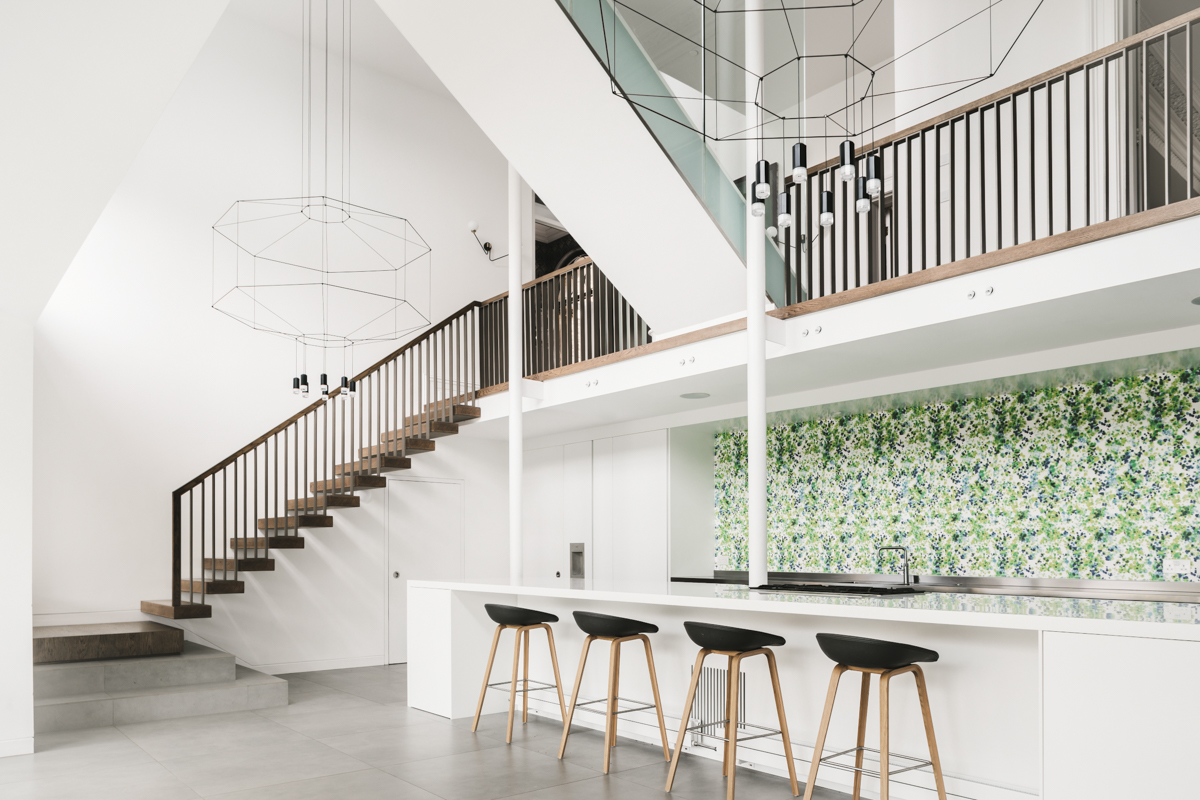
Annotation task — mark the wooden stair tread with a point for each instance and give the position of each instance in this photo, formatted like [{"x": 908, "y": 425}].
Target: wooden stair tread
[
  {"x": 56, "y": 644},
  {"x": 277, "y": 543},
  {"x": 436, "y": 428},
  {"x": 324, "y": 501},
  {"x": 213, "y": 586},
  {"x": 296, "y": 521},
  {"x": 185, "y": 610},
  {"x": 412, "y": 445},
  {"x": 377, "y": 463},
  {"x": 354, "y": 481},
  {"x": 240, "y": 564}
]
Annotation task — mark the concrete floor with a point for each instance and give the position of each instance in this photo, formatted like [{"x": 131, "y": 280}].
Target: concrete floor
[{"x": 349, "y": 735}]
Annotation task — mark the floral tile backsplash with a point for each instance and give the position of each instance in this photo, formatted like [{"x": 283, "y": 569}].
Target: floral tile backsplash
[{"x": 1096, "y": 480}]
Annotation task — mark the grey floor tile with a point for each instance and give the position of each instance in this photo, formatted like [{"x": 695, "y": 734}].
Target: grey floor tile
[
  {"x": 495, "y": 726},
  {"x": 488, "y": 774},
  {"x": 253, "y": 767},
  {"x": 586, "y": 748},
  {"x": 605, "y": 787},
  {"x": 57, "y": 754},
  {"x": 305, "y": 698},
  {"x": 214, "y": 733},
  {"x": 324, "y": 724},
  {"x": 388, "y": 692},
  {"x": 148, "y": 781},
  {"x": 410, "y": 743},
  {"x": 701, "y": 779},
  {"x": 371, "y": 784},
  {"x": 345, "y": 678}
]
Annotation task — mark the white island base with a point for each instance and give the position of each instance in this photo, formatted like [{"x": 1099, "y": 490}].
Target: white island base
[{"x": 1064, "y": 699}]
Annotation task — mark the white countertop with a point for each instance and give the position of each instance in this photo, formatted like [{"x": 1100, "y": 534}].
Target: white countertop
[{"x": 1075, "y": 615}]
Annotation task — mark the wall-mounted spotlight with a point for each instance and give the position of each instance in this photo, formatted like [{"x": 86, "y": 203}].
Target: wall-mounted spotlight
[
  {"x": 846, "y": 170},
  {"x": 487, "y": 246},
  {"x": 799, "y": 163},
  {"x": 826, "y": 208}
]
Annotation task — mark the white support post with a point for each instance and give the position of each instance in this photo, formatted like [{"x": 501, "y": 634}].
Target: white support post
[
  {"x": 756, "y": 324},
  {"x": 516, "y": 444}
]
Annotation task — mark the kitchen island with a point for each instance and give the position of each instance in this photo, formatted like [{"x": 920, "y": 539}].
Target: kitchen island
[{"x": 1032, "y": 696}]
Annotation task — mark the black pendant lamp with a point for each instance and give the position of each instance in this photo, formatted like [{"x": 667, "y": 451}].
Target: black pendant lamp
[
  {"x": 846, "y": 170},
  {"x": 862, "y": 203},
  {"x": 304, "y": 384},
  {"x": 799, "y": 163},
  {"x": 874, "y": 175},
  {"x": 826, "y": 208},
  {"x": 324, "y": 385},
  {"x": 785, "y": 210}
]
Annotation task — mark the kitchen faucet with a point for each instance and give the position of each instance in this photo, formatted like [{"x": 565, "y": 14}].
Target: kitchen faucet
[{"x": 904, "y": 551}]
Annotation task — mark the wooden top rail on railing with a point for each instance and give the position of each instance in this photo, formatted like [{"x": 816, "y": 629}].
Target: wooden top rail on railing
[
  {"x": 1016, "y": 88},
  {"x": 321, "y": 401},
  {"x": 580, "y": 262}
]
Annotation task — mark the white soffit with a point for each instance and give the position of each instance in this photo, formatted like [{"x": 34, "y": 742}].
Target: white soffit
[
  {"x": 530, "y": 81},
  {"x": 82, "y": 86}
]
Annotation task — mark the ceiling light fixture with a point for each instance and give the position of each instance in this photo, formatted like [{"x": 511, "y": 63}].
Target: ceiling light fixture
[{"x": 695, "y": 395}]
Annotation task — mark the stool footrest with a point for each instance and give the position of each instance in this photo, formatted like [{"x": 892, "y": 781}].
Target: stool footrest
[
  {"x": 723, "y": 722},
  {"x": 583, "y": 706},
  {"x": 507, "y": 686},
  {"x": 875, "y": 773}
]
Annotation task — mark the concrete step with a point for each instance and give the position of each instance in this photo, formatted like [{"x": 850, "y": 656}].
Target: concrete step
[
  {"x": 249, "y": 690},
  {"x": 196, "y": 664},
  {"x": 56, "y": 643}
]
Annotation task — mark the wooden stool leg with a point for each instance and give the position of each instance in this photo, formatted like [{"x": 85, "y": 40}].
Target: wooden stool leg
[
  {"x": 662, "y": 725},
  {"x": 933, "y": 752},
  {"x": 487, "y": 674},
  {"x": 587, "y": 644},
  {"x": 734, "y": 672},
  {"x": 783, "y": 728},
  {"x": 611, "y": 707},
  {"x": 685, "y": 716},
  {"x": 512, "y": 690},
  {"x": 729, "y": 701},
  {"x": 562, "y": 706},
  {"x": 884, "y": 757},
  {"x": 819, "y": 747},
  {"x": 525, "y": 695},
  {"x": 863, "y": 697},
  {"x": 616, "y": 694}
]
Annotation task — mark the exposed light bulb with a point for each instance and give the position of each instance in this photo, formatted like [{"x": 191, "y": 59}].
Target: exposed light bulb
[
  {"x": 800, "y": 175},
  {"x": 772, "y": 231},
  {"x": 784, "y": 221},
  {"x": 762, "y": 190},
  {"x": 862, "y": 206},
  {"x": 826, "y": 219},
  {"x": 846, "y": 173}
]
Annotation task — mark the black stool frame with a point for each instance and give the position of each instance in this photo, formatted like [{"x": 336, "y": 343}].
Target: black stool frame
[
  {"x": 522, "y": 635},
  {"x": 731, "y": 724},
  {"x": 614, "y": 684},
  {"x": 885, "y": 771}
]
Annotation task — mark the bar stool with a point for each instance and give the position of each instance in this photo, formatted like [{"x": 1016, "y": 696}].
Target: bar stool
[
  {"x": 737, "y": 644},
  {"x": 887, "y": 660},
  {"x": 616, "y": 630},
  {"x": 522, "y": 620}
]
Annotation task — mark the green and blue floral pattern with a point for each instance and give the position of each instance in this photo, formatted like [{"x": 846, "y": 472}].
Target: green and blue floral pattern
[{"x": 1097, "y": 480}]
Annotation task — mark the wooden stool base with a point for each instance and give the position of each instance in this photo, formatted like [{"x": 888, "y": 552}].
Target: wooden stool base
[
  {"x": 522, "y": 637},
  {"x": 885, "y": 757}
]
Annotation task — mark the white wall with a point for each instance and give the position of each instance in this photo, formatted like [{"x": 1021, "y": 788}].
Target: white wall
[
  {"x": 693, "y": 537},
  {"x": 139, "y": 385}
]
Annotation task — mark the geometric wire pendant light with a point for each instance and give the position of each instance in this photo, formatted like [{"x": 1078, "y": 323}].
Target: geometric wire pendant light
[{"x": 322, "y": 271}]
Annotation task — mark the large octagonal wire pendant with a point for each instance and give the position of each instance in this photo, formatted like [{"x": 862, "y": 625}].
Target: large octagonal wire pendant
[{"x": 320, "y": 271}]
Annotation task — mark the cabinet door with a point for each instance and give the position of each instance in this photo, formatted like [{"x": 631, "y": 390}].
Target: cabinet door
[
  {"x": 543, "y": 543},
  {"x": 1118, "y": 717},
  {"x": 639, "y": 516}
]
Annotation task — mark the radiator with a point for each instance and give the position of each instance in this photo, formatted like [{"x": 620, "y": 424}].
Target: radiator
[{"x": 709, "y": 705}]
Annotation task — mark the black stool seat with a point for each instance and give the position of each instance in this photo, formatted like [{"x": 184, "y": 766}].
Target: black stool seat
[
  {"x": 856, "y": 651},
  {"x": 514, "y": 615},
  {"x": 723, "y": 637},
  {"x": 610, "y": 627}
]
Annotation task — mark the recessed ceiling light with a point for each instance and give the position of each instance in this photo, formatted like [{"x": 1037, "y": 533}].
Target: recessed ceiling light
[
  {"x": 1196, "y": 301},
  {"x": 694, "y": 395}
]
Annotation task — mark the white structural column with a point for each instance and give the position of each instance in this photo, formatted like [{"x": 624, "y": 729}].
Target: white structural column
[
  {"x": 516, "y": 443},
  {"x": 756, "y": 321}
]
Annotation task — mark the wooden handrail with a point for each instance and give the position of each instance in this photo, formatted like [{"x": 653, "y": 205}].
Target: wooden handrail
[
  {"x": 1016, "y": 88},
  {"x": 582, "y": 262},
  {"x": 334, "y": 393}
]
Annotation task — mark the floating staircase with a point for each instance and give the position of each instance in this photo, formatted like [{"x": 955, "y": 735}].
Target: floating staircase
[
  {"x": 137, "y": 672},
  {"x": 298, "y": 476}
]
